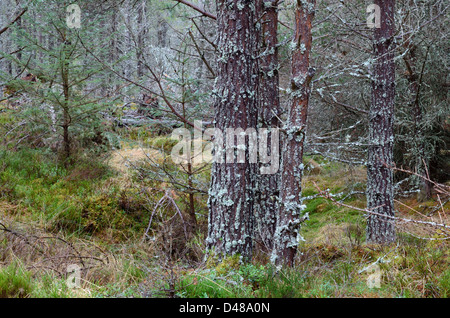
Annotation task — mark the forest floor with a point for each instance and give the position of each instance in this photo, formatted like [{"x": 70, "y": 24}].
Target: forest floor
[{"x": 93, "y": 216}]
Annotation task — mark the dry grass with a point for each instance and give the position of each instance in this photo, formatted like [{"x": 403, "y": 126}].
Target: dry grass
[
  {"x": 339, "y": 178},
  {"x": 330, "y": 234},
  {"x": 123, "y": 158}
]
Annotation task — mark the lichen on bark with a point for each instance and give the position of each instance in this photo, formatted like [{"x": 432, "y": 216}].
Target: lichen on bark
[
  {"x": 290, "y": 216},
  {"x": 231, "y": 215},
  {"x": 380, "y": 191}
]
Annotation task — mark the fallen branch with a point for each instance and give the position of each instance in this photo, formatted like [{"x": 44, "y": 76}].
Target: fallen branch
[{"x": 54, "y": 253}]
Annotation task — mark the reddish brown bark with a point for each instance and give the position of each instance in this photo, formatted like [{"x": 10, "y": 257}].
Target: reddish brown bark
[
  {"x": 290, "y": 217},
  {"x": 269, "y": 111},
  {"x": 231, "y": 196}
]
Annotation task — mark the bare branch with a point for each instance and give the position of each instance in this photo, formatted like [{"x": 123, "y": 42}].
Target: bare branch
[
  {"x": 14, "y": 21},
  {"x": 197, "y": 8},
  {"x": 440, "y": 226}
]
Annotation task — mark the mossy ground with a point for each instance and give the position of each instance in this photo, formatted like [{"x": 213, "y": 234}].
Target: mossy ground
[{"x": 96, "y": 212}]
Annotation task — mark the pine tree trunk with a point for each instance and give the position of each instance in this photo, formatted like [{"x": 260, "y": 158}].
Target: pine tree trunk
[
  {"x": 113, "y": 50},
  {"x": 19, "y": 25},
  {"x": 380, "y": 193},
  {"x": 266, "y": 202},
  {"x": 231, "y": 197},
  {"x": 65, "y": 105},
  {"x": 289, "y": 220},
  {"x": 414, "y": 77},
  {"x": 142, "y": 33}
]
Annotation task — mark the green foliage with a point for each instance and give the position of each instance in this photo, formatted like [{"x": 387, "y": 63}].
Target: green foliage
[
  {"x": 49, "y": 286},
  {"x": 82, "y": 200},
  {"x": 408, "y": 270},
  {"x": 211, "y": 285},
  {"x": 15, "y": 282},
  {"x": 71, "y": 199},
  {"x": 118, "y": 291},
  {"x": 96, "y": 213},
  {"x": 252, "y": 274},
  {"x": 138, "y": 134},
  {"x": 61, "y": 101},
  {"x": 287, "y": 283},
  {"x": 444, "y": 284}
]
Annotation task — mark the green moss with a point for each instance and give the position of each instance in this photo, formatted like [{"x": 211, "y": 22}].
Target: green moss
[
  {"x": 165, "y": 143},
  {"x": 228, "y": 264}
]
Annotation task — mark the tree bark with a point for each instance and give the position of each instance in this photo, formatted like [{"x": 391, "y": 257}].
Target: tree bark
[
  {"x": 290, "y": 217},
  {"x": 231, "y": 196},
  {"x": 266, "y": 203},
  {"x": 142, "y": 33},
  {"x": 380, "y": 192},
  {"x": 65, "y": 105},
  {"x": 414, "y": 77}
]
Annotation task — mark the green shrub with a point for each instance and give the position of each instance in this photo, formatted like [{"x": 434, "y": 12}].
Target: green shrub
[{"x": 252, "y": 274}]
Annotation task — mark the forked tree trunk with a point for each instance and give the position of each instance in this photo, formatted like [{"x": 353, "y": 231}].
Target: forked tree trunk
[
  {"x": 380, "y": 192},
  {"x": 231, "y": 197},
  {"x": 266, "y": 200},
  {"x": 290, "y": 217}
]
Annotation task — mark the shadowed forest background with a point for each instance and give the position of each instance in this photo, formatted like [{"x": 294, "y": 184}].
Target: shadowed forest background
[{"x": 89, "y": 188}]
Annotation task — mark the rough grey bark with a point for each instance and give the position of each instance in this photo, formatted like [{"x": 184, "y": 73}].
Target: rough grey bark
[
  {"x": 19, "y": 25},
  {"x": 67, "y": 120},
  {"x": 113, "y": 47},
  {"x": 231, "y": 196},
  {"x": 290, "y": 217},
  {"x": 380, "y": 192},
  {"x": 163, "y": 28},
  {"x": 142, "y": 33},
  {"x": 266, "y": 202},
  {"x": 414, "y": 76}
]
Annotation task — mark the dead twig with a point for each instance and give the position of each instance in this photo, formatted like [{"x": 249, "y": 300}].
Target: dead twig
[
  {"x": 168, "y": 198},
  {"x": 441, "y": 227}
]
